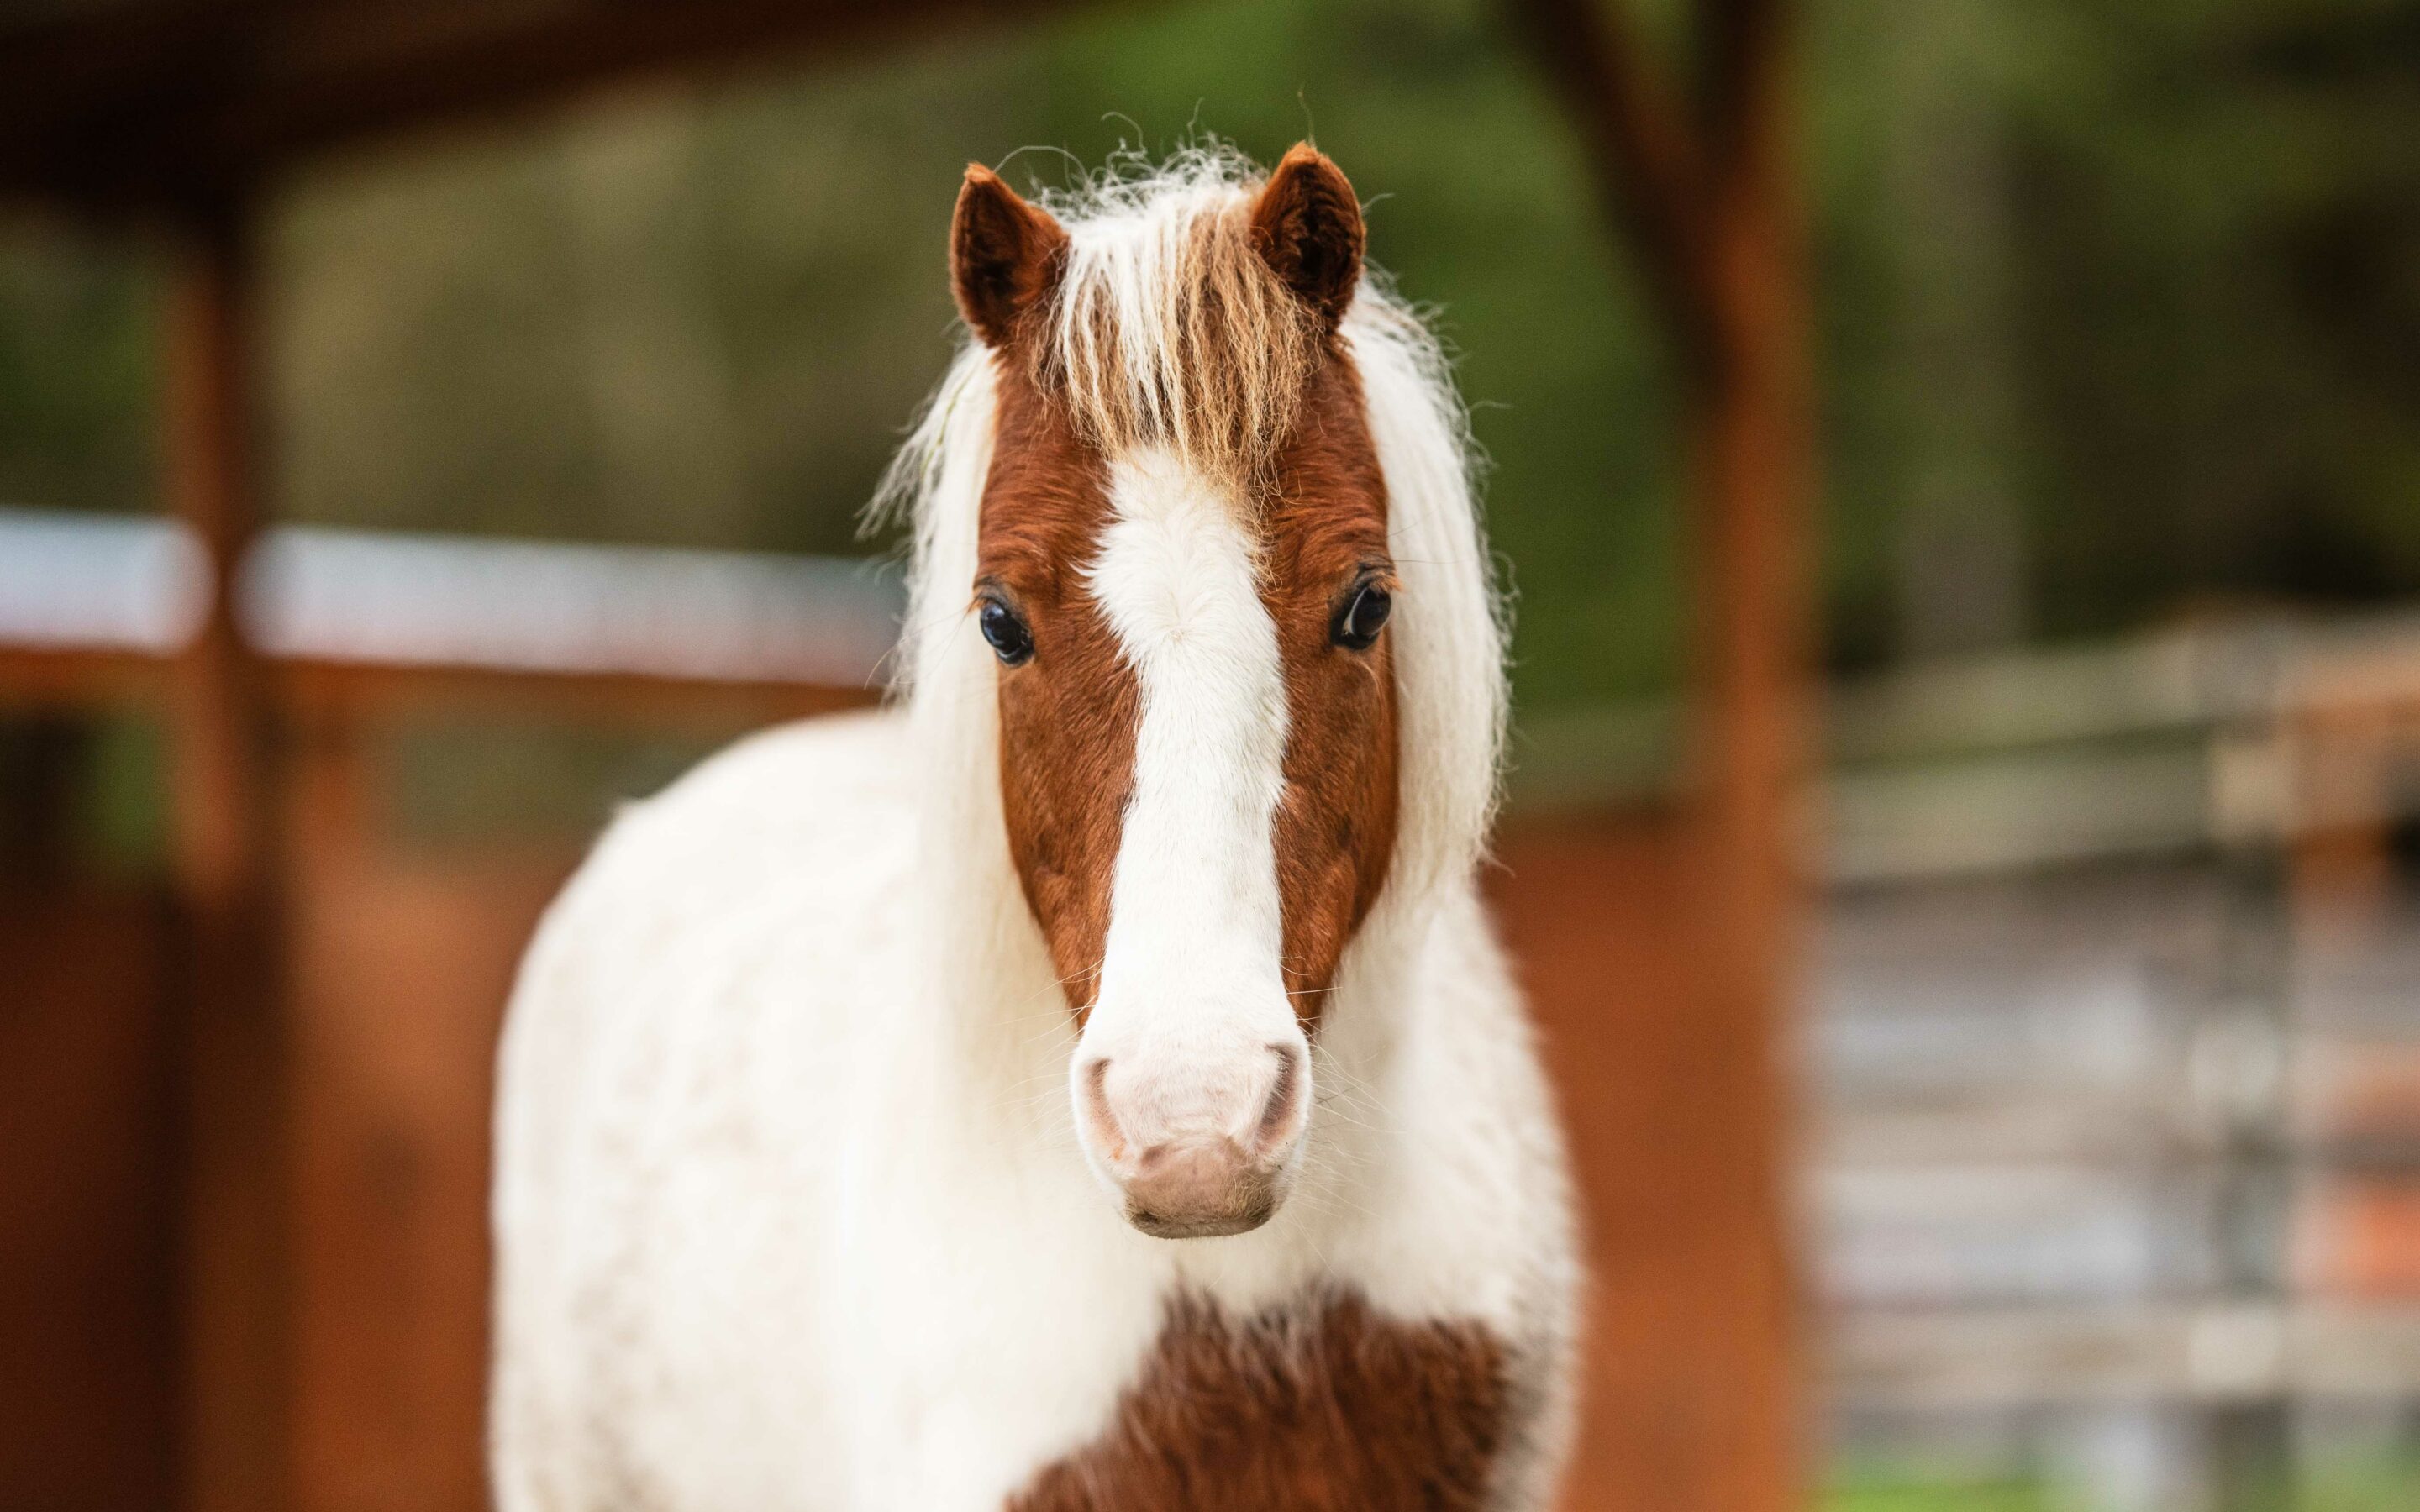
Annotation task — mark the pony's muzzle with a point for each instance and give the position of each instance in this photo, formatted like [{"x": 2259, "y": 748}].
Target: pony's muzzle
[{"x": 1204, "y": 1172}]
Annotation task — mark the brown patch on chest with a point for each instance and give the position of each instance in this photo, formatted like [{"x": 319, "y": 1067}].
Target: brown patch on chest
[{"x": 1333, "y": 1409}]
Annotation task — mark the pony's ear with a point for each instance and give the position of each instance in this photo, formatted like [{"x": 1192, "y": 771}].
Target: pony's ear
[
  {"x": 1004, "y": 254},
  {"x": 1307, "y": 226}
]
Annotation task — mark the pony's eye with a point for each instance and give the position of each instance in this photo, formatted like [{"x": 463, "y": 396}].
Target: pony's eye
[
  {"x": 1363, "y": 616},
  {"x": 1006, "y": 632}
]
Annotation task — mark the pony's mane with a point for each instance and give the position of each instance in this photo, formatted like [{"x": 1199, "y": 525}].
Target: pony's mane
[
  {"x": 1169, "y": 330},
  {"x": 1166, "y": 328}
]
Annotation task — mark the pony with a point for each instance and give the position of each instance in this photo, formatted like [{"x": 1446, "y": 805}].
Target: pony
[{"x": 1091, "y": 1081}]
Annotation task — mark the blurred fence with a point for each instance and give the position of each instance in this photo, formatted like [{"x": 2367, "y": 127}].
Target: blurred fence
[
  {"x": 2113, "y": 1057},
  {"x": 106, "y": 586},
  {"x": 2116, "y": 1053},
  {"x": 394, "y": 962}
]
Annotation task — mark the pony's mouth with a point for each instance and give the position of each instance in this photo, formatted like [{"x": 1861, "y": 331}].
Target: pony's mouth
[{"x": 1213, "y": 1226}]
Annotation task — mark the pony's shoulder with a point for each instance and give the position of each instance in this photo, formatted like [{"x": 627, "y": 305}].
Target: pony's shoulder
[
  {"x": 797, "y": 772},
  {"x": 769, "y": 815},
  {"x": 802, "y": 830}
]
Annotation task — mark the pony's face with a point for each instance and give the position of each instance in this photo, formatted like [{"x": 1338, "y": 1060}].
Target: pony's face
[{"x": 1196, "y": 706}]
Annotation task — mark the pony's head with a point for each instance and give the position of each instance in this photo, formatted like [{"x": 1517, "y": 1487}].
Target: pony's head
[{"x": 1184, "y": 577}]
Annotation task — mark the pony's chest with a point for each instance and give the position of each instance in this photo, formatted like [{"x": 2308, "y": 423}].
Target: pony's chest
[{"x": 1317, "y": 1408}]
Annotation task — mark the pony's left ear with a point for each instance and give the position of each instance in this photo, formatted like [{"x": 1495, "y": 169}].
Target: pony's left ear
[{"x": 1307, "y": 226}]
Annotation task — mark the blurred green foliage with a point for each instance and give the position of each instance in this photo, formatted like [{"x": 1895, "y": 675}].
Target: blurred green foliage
[
  {"x": 2371, "y": 1481},
  {"x": 2120, "y": 305},
  {"x": 1921, "y": 1494},
  {"x": 76, "y": 371},
  {"x": 2385, "y": 1481}
]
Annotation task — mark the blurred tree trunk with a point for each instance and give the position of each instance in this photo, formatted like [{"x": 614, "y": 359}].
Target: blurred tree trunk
[
  {"x": 43, "y": 759},
  {"x": 1695, "y": 1378}
]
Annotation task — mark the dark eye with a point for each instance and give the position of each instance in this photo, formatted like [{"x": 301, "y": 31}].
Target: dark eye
[
  {"x": 1006, "y": 632},
  {"x": 1363, "y": 616}
]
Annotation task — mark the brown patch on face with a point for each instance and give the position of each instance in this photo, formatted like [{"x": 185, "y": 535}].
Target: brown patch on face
[
  {"x": 1068, "y": 716},
  {"x": 1332, "y": 1409},
  {"x": 1325, "y": 534}
]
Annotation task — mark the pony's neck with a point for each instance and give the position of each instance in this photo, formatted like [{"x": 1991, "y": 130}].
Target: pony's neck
[{"x": 989, "y": 1031}]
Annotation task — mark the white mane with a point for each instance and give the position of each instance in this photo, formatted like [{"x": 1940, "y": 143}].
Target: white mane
[{"x": 1142, "y": 302}]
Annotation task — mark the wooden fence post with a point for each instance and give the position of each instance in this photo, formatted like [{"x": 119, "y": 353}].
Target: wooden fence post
[{"x": 235, "y": 1286}]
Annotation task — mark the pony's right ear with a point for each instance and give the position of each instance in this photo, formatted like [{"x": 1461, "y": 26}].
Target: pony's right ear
[{"x": 1004, "y": 255}]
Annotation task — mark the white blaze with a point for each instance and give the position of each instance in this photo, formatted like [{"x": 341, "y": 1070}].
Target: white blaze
[{"x": 1192, "y": 1012}]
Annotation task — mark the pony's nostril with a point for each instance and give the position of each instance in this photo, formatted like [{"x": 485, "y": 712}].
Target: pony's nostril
[
  {"x": 1108, "y": 1135},
  {"x": 1278, "y": 1121}
]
